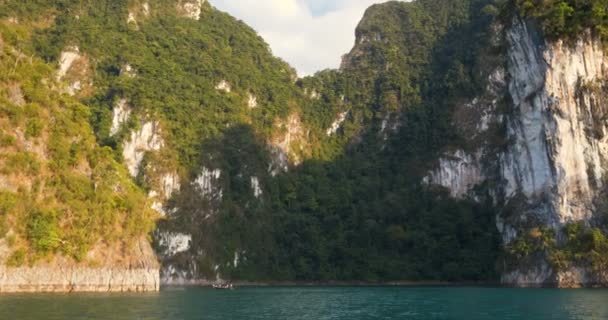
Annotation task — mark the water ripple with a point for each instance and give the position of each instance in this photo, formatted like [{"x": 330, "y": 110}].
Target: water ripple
[{"x": 314, "y": 303}]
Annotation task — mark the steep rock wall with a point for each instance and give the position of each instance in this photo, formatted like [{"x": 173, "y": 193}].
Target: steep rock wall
[
  {"x": 560, "y": 150},
  {"x": 552, "y": 168}
]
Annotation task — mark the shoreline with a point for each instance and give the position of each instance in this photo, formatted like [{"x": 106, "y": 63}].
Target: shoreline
[{"x": 361, "y": 284}]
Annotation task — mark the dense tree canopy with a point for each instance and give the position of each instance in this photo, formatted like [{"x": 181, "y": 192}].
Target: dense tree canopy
[{"x": 567, "y": 18}]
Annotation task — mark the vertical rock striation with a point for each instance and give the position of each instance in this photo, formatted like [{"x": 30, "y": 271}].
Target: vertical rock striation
[
  {"x": 557, "y": 125},
  {"x": 552, "y": 168},
  {"x": 136, "y": 272}
]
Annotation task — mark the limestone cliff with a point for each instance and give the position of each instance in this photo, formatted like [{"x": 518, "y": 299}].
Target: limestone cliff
[
  {"x": 552, "y": 168},
  {"x": 559, "y": 154}
]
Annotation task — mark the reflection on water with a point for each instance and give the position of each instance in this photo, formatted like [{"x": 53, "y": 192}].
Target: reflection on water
[{"x": 314, "y": 303}]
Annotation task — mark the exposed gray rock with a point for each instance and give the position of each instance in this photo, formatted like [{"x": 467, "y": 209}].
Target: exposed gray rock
[
  {"x": 78, "y": 279},
  {"x": 557, "y": 150},
  {"x": 146, "y": 139}
]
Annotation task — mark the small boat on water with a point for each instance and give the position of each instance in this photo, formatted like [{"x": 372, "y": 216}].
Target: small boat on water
[{"x": 223, "y": 286}]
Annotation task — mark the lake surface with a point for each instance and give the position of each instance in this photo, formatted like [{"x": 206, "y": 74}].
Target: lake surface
[{"x": 314, "y": 303}]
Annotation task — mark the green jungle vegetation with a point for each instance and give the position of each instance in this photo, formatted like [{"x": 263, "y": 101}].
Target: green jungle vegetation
[
  {"x": 67, "y": 195},
  {"x": 362, "y": 215},
  {"x": 566, "y": 18},
  {"x": 583, "y": 246}
]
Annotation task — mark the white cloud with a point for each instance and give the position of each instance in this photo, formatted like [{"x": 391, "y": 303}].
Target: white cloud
[{"x": 309, "y": 34}]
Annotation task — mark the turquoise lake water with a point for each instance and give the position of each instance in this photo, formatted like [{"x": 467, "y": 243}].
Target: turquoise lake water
[{"x": 314, "y": 303}]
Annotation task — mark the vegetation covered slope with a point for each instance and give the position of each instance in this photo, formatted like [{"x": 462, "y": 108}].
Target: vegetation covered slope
[
  {"x": 354, "y": 209},
  {"x": 363, "y": 215},
  {"x": 61, "y": 194}
]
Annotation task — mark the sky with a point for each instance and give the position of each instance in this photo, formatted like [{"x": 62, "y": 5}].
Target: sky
[{"x": 311, "y": 35}]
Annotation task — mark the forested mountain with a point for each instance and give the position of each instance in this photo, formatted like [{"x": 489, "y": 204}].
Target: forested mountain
[{"x": 459, "y": 141}]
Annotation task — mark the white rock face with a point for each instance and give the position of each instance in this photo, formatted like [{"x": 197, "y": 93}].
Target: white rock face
[
  {"x": 169, "y": 184},
  {"x": 459, "y": 172},
  {"x": 173, "y": 276},
  {"x": 131, "y": 18},
  {"x": 120, "y": 115},
  {"x": 252, "y": 101},
  {"x": 560, "y": 148},
  {"x": 255, "y": 187},
  {"x": 74, "y": 69},
  {"x": 293, "y": 135},
  {"x": 533, "y": 277},
  {"x": 560, "y": 144},
  {"x": 337, "y": 124},
  {"x": 190, "y": 8},
  {"x": 158, "y": 207},
  {"x": 223, "y": 86},
  {"x": 135, "y": 13},
  {"x": 173, "y": 243},
  {"x": 312, "y": 94},
  {"x": 286, "y": 146},
  {"x": 78, "y": 279},
  {"x": 236, "y": 260},
  {"x": 207, "y": 183},
  {"x": 146, "y": 139},
  {"x": 279, "y": 161},
  {"x": 145, "y": 7},
  {"x": 66, "y": 60},
  {"x": 557, "y": 151},
  {"x": 74, "y": 87},
  {"x": 128, "y": 71},
  {"x": 390, "y": 124}
]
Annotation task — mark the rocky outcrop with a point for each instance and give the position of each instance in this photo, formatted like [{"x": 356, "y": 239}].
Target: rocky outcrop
[
  {"x": 255, "y": 187},
  {"x": 207, "y": 184},
  {"x": 120, "y": 115},
  {"x": 78, "y": 279},
  {"x": 135, "y": 270},
  {"x": 337, "y": 124},
  {"x": 252, "y": 101},
  {"x": 171, "y": 243},
  {"x": 557, "y": 126},
  {"x": 553, "y": 164},
  {"x": 128, "y": 71},
  {"x": 534, "y": 276},
  {"x": 162, "y": 189},
  {"x": 289, "y": 144},
  {"x": 162, "y": 180},
  {"x": 190, "y": 8},
  {"x": 459, "y": 172},
  {"x": 74, "y": 69},
  {"x": 146, "y": 139},
  {"x": 223, "y": 86},
  {"x": 66, "y": 60},
  {"x": 139, "y": 12},
  {"x": 312, "y": 94}
]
